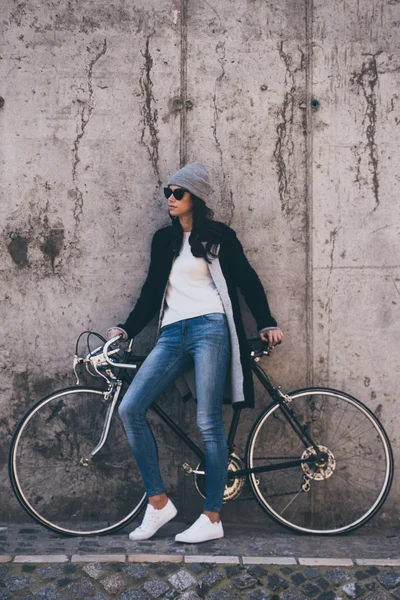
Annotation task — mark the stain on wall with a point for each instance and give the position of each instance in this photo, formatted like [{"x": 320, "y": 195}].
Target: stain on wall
[
  {"x": 18, "y": 249},
  {"x": 53, "y": 245}
]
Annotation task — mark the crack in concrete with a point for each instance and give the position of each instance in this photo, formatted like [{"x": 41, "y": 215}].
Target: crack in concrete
[
  {"x": 332, "y": 238},
  {"x": 183, "y": 82},
  {"x": 367, "y": 79},
  {"x": 213, "y": 9},
  {"x": 397, "y": 285},
  {"x": 232, "y": 207},
  {"x": 287, "y": 60},
  {"x": 284, "y": 128},
  {"x": 278, "y": 154},
  {"x": 84, "y": 114},
  {"x": 328, "y": 305},
  {"x": 358, "y": 169},
  {"x": 220, "y": 48},
  {"x": 149, "y": 115},
  {"x": 226, "y": 203}
]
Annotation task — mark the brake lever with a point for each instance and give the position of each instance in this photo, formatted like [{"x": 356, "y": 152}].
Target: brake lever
[{"x": 77, "y": 361}]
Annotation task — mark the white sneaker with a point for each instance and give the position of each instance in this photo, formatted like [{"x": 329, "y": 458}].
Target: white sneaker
[
  {"x": 202, "y": 530},
  {"x": 152, "y": 521}
]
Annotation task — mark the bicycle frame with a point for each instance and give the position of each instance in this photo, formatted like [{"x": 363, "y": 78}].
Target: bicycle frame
[
  {"x": 274, "y": 392},
  {"x": 353, "y": 448},
  {"x": 277, "y": 396}
]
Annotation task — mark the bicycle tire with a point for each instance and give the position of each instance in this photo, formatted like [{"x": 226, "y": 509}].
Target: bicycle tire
[
  {"x": 28, "y": 454},
  {"x": 309, "y": 515}
]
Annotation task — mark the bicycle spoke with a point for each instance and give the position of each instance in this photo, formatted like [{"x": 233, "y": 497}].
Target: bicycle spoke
[
  {"x": 349, "y": 483},
  {"x": 52, "y": 482},
  {"x": 296, "y": 508},
  {"x": 352, "y": 459},
  {"x": 340, "y": 422},
  {"x": 293, "y": 499},
  {"x": 356, "y": 435},
  {"x": 365, "y": 487}
]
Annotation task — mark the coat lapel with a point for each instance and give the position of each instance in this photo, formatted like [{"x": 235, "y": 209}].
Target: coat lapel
[{"x": 235, "y": 381}]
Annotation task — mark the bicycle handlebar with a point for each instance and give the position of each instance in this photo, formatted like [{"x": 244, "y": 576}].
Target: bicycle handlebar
[
  {"x": 267, "y": 350},
  {"x": 108, "y": 359},
  {"x": 101, "y": 355}
]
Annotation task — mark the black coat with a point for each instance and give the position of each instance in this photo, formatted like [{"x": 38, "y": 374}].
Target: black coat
[{"x": 238, "y": 273}]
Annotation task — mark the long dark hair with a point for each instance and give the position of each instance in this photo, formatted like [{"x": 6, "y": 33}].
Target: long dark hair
[{"x": 204, "y": 230}]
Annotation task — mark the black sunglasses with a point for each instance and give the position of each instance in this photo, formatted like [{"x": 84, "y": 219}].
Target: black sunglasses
[{"x": 177, "y": 194}]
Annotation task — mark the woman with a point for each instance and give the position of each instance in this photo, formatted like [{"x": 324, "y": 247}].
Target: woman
[{"x": 195, "y": 268}]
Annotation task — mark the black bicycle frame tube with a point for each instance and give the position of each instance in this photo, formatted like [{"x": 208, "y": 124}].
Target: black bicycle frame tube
[
  {"x": 233, "y": 428},
  {"x": 235, "y": 420},
  {"x": 298, "y": 429},
  {"x": 296, "y": 462},
  {"x": 290, "y": 417},
  {"x": 181, "y": 434}
]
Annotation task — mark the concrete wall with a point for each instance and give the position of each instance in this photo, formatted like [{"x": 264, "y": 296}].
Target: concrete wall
[{"x": 104, "y": 101}]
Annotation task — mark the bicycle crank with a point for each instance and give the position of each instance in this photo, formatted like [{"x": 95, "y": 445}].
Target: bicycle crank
[{"x": 234, "y": 486}]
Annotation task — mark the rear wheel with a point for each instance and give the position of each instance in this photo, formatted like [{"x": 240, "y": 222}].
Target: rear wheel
[
  {"x": 52, "y": 482},
  {"x": 342, "y": 489}
]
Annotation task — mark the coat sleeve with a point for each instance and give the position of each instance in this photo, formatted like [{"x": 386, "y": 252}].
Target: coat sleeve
[
  {"x": 148, "y": 302},
  {"x": 250, "y": 286}
]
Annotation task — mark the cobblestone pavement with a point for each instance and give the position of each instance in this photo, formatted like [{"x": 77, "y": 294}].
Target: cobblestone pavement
[
  {"x": 249, "y": 563},
  {"x": 193, "y": 581}
]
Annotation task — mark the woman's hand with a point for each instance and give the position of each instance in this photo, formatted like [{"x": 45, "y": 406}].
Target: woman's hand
[
  {"x": 272, "y": 336},
  {"x": 116, "y": 331}
]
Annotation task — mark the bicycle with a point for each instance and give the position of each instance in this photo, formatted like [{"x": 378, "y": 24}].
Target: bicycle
[{"x": 317, "y": 460}]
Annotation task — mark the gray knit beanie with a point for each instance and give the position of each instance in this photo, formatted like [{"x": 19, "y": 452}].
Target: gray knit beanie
[{"x": 193, "y": 177}]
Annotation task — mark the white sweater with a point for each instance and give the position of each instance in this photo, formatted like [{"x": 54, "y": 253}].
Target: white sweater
[{"x": 191, "y": 292}]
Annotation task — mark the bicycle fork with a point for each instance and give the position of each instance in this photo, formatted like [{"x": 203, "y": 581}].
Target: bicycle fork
[{"x": 114, "y": 388}]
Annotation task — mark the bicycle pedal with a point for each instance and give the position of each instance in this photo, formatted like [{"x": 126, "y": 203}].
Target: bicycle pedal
[{"x": 189, "y": 471}]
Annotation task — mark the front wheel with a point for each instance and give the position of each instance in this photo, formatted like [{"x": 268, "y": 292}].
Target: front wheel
[
  {"x": 51, "y": 478},
  {"x": 335, "y": 493}
]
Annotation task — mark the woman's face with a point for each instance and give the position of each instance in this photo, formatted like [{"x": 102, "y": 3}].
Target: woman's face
[{"x": 178, "y": 208}]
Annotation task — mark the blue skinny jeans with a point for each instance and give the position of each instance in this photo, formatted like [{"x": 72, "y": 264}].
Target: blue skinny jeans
[{"x": 204, "y": 341}]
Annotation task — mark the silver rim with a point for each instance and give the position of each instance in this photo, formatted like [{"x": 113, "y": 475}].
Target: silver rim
[
  {"x": 23, "y": 495},
  {"x": 265, "y": 502}
]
